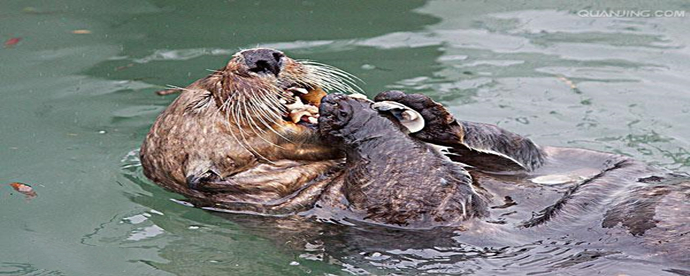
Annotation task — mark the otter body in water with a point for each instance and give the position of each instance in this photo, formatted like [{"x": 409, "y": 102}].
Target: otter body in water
[
  {"x": 245, "y": 139},
  {"x": 391, "y": 177}
]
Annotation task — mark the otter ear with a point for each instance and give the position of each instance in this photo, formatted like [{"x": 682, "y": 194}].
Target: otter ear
[{"x": 408, "y": 117}]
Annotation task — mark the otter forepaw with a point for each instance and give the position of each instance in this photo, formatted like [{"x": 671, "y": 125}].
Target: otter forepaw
[
  {"x": 208, "y": 182},
  {"x": 440, "y": 126}
]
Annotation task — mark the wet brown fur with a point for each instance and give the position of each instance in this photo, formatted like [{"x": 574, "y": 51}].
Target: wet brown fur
[{"x": 197, "y": 140}]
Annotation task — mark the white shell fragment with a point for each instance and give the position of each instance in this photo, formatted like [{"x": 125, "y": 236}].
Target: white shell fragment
[
  {"x": 299, "y": 110},
  {"x": 408, "y": 117},
  {"x": 299, "y": 90},
  {"x": 358, "y": 96},
  {"x": 554, "y": 179}
]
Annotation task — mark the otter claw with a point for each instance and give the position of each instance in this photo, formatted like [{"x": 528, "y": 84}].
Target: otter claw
[{"x": 408, "y": 117}]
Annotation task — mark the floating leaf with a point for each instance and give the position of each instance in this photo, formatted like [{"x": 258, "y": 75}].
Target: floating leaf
[
  {"x": 25, "y": 189},
  {"x": 12, "y": 41}
]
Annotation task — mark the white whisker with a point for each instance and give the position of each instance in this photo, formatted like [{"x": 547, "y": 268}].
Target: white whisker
[
  {"x": 254, "y": 127},
  {"x": 237, "y": 114},
  {"x": 170, "y": 86}
]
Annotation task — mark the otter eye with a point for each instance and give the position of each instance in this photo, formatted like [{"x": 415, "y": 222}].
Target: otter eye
[{"x": 342, "y": 114}]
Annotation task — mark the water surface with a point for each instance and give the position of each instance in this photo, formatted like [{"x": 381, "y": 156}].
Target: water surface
[{"x": 76, "y": 107}]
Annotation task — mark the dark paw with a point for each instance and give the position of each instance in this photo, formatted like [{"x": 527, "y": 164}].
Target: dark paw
[
  {"x": 440, "y": 126},
  {"x": 417, "y": 102},
  {"x": 203, "y": 182}
]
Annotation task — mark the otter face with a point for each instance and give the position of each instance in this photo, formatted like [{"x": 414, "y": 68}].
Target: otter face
[
  {"x": 262, "y": 88},
  {"x": 341, "y": 115}
]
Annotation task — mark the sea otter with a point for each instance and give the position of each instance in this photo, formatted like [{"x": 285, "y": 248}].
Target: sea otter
[{"x": 246, "y": 139}]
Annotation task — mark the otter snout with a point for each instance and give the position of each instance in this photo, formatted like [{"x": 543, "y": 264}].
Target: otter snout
[{"x": 263, "y": 60}]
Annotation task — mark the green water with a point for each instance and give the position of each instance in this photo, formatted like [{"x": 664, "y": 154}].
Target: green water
[{"x": 75, "y": 107}]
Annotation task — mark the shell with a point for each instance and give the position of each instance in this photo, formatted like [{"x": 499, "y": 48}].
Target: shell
[
  {"x": 408, "y": 117},
  {"x": 358, "y": 96},
  {"x": 554, "y": 179}
]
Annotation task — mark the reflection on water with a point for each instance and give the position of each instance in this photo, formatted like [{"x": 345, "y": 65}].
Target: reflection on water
[{"x": 75, "y": 104}]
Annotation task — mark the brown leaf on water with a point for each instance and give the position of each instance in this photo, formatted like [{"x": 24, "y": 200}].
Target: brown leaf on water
[
  {"x": 81, "y": 32},
  {"x": 25, "y": 189},
  {"x": 12, "y": 41}
]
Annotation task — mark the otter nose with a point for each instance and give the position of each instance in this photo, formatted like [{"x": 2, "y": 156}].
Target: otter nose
[{"x": 263, "y": 60}]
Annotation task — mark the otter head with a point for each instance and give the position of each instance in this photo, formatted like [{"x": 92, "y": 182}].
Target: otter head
[
  {"x": 262, "y": 90},
  {"x": 265, "y": 101}
]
